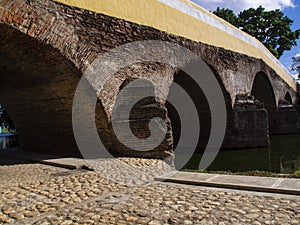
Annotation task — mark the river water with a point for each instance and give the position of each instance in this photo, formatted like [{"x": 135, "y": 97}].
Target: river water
[
  {"x": 8, "y": 142},
  {"x": 283, "y": 156}
]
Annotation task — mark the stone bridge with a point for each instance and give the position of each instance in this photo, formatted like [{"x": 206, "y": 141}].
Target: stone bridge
[{"x": 47, "y": 46}]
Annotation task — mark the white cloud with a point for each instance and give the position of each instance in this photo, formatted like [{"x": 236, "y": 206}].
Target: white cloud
[
  {"x": 239, "y": 5},
  {"x": 295, "y": 73}
]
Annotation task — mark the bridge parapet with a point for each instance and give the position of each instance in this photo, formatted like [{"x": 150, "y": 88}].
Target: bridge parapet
[
  {"x": 46, "y": 41},
  {"x": 185, "y": 19}
]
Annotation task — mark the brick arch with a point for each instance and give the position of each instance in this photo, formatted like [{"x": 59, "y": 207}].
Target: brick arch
[
  {"x": 159, "y": 74},
  {"x": 74, "y": 37},
  {"x": 46, "y": 25},
  {"x": 262, "y": 90},
  {"x": 226, "y": 94},
  {"x": 288, "y": 98},
  {"x": 37, "y": 88},
  {"x": 201, "y": 103},
  {"x": 140, "y": 115},
  {"x": 41, "y": 62}
]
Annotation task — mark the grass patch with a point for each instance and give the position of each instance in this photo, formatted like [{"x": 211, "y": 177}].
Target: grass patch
[
  {"x": 248, "y": 173},
  {"x": 5, "y": 130},
  {"x": 297, "y": 172}
]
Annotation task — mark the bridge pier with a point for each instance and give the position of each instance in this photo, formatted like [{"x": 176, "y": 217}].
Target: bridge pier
[
  {"x": 46, "y": 47},
  {"x": 250, "y": 123},
  {"x": 138, "y": 121},
  {"x": 285, "y": 120},
  {"x": 247, "y": 124}
]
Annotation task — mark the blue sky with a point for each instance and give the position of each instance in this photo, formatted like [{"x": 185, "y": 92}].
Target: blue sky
[
  {"x": 291, "y": 8},
  {"x": 294, "y": 14}
]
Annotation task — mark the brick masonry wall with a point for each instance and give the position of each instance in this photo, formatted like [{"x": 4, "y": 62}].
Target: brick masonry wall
[
  {"x": 286, "y": 120},
  {"x": 37, "y": 89},
  {"x": 250, "y": 124},
  {"x": 57, "y": 45}
]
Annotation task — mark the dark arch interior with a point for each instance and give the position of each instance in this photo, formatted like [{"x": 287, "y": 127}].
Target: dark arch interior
[
  {"x": 196, "y": 94},
  {"x": 262, "y": 90},
  {"x": 8, "y": 133},
  {"x": 288, "y": 98},
  {"x": 37, "y": 89},
  {"x": 202, "y": 106}
]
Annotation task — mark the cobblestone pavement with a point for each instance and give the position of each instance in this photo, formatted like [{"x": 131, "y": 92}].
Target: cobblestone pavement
[{"x": 40, "y": 194}]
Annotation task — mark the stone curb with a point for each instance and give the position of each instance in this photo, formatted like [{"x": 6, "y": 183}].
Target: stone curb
[
  {"x": 261, "y": 184},
  {"x": 247, "y": 183}
]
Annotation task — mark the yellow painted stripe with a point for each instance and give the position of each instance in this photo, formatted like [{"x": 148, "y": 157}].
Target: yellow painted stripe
[{"x": 155, "y": 14}]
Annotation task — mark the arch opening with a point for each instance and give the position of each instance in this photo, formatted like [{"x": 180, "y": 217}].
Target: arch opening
[
  {"x": 262, "y": 90},
  {"x": 288, "y": 98},
  {"x": 201, "y": 104},
  {"x": 37, "y": 88},
  {"x": 8, "y": 133}
]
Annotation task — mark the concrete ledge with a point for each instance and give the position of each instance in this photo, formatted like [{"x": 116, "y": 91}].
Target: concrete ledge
[
  {"x": 248, "y": 183},
  {"x": 65, "y": 162}
]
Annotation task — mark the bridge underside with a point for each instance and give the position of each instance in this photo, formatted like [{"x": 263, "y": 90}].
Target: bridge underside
[
  {"x": 38, "y": 85},
  {"x": 282, "y": 117},
  {"x": 37, "y": 89}
]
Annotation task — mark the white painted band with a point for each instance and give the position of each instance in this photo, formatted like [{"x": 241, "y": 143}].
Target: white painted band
[{"x": 206, "y": 18}]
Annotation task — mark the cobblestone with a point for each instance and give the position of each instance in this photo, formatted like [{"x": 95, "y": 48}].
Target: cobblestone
[
  {"x": 40, "y": 194},
  {"x": 131, "y": 171},
  {"x": 14, "y": 171},
  {"x": 29, "y": 190},
  {"x": 175, "y": 204}
]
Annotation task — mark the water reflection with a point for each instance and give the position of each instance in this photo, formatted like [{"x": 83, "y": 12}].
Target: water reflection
[
  {"x": 283, "y": 156},
  {"x": 8, "y": 142}
]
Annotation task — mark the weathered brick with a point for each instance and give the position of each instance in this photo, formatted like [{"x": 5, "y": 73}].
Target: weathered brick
[{"x": 62, "y": 47}]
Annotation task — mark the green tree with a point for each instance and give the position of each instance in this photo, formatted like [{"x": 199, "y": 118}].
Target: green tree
[
  {"x": 296, "y": 64},
  {"x": 272, "y": 28},
  {"x": 5, "y": 119},
  {"x": 228, "y": 15}
]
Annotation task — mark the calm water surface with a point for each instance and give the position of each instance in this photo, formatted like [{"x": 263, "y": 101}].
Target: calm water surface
[
  {"x": 8, "y": 142},
  {"x": 283, "y": 156}
]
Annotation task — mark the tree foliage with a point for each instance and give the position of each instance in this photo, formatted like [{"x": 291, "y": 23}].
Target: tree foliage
[
  {"x": 5, "y": 119},
  {"x": 228, "y": 15},
  {"x": 272, "y": 28},
  {"x": 296, "y": 64}
]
